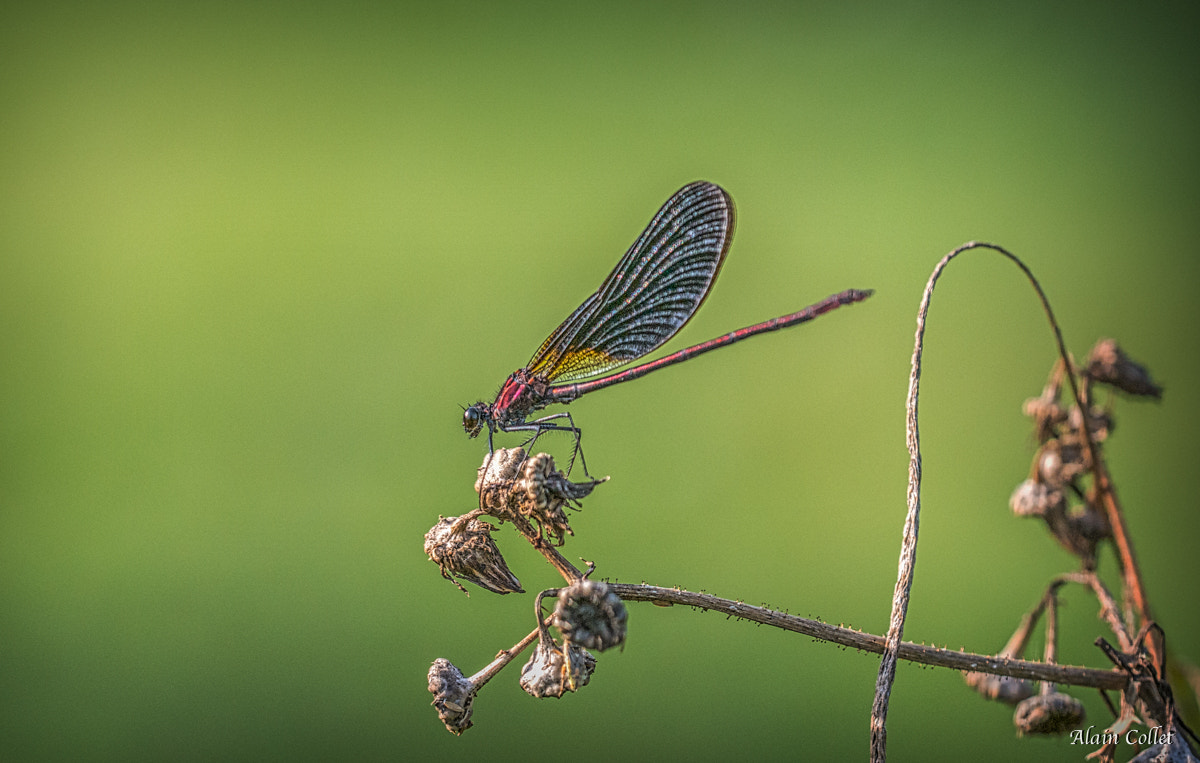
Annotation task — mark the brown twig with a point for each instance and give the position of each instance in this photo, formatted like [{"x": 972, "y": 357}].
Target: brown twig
[
  {"x": 489, "y": 671},
  {"x": 869, "y": 642}
]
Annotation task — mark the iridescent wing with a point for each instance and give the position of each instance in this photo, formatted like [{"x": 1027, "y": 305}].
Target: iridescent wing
[{"x": 652, "y": 292}]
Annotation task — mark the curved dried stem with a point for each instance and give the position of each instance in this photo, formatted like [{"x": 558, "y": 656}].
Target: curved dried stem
[{"x": 908, "y": 550}]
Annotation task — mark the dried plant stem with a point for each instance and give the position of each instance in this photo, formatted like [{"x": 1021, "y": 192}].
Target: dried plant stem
[
  {"x": 536, "y": 539},
  {"x": 908, "y": 550},
  {"x": 848, "y": 637},
  {"x": 1108, "y": 605},
  {"x": 565, "y": 568},
  {"x": 868, "y": 642},
  {"x": 506, "y": 656},
  {"x": 1130, "y": 573},
  {"x": 1051, "y": 649}
]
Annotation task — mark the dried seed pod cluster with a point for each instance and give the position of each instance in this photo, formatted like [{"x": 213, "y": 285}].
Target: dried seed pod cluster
[
  {"x": 1056, "y": 489},
  {"x": 1004, "y": 689},
  {"x": 529, "y": 492},
  {"x": 1108, "y": 364},
  {"x": 532, "y": 495},
  {"x": 1062, "y": 490}
]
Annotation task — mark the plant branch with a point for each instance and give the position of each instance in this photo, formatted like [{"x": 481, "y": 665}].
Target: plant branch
[
  {"x": 557, "y": 560},
  {"x": 489, "y": 671},
  {"x": 868, "y": 642}
]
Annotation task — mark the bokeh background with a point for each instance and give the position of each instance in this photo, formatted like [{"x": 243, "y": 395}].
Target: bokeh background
[{"x": 254, "y": 258}]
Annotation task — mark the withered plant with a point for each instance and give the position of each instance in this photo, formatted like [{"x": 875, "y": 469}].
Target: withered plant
[{"x": 1068, "y": 487}]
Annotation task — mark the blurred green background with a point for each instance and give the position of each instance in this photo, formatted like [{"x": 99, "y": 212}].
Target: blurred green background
[{"x": 254, "y": 258}]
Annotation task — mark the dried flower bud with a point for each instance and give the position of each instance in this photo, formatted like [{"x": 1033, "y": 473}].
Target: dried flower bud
[
  {"x": 1060, "y": 462},
  {"x": 1004, "y": 689},
  {"x": 1100, "y": 424},
  {"x": 1047, "y": 714},
  {"x": 1079, "y": 531},
  {"x": 591, "y": 615},
  {"x": 1089, "y": 519},
  {"x": 494, "y": 482},
  {"x": 516, "y": 488},
  {"x": 453, "y": 695},
  {"x": 549, "y": 674},
  {"x": 1045, "y": 412},
  {"x": 546, "y": 492},
  {"x": 466, "y": 550},
  {"x": 1035, "y": 499},
  {"x": 499, "y": 466},
  {"x": 1108, "y": 364}
]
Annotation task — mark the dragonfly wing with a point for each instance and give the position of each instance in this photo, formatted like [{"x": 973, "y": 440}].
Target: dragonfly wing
[{"x": 652, "y": 292}]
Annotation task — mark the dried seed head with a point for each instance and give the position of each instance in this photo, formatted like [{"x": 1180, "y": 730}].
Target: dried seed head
[
  {"x": 1108, "y": 364},
  {"x": 549, "y": 674},
  {"x": 466, "y": 550},
  {"x": 545, "y": 492},
  {"x": 499, "y": 466},
  {"x": 1006, "y": 688},
  {"x": 590, "y": 615},
  {"x": 1035, "y": 499},
  {"x": 1060, "y": 462},
  {"x": 494, "y": 482},
  {"x": 515, "y": 487},
  {"x": 453, "y": 695},
  {"x": 1090, "y": 519},
  {"x": 1000, "y": 688},
  {"x": 1047, "y": 714},
  {"x": 1079, "y": 531},
  {"x": 1046, "y": 413},
  {"x": 541, "y": 504},
  {"x": 1100, "y": 424}
]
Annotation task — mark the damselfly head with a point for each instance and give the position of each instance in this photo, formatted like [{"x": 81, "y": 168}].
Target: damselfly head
[{"x": 474, "y": 417}]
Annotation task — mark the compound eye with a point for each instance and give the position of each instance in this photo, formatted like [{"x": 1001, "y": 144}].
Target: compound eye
[{"x": 472, "y": 420}]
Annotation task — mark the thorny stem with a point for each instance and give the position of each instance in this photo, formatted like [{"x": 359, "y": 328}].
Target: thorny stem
[
  {"x": 848, "y": 637},
  {"x": 868, "y": 642}
]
